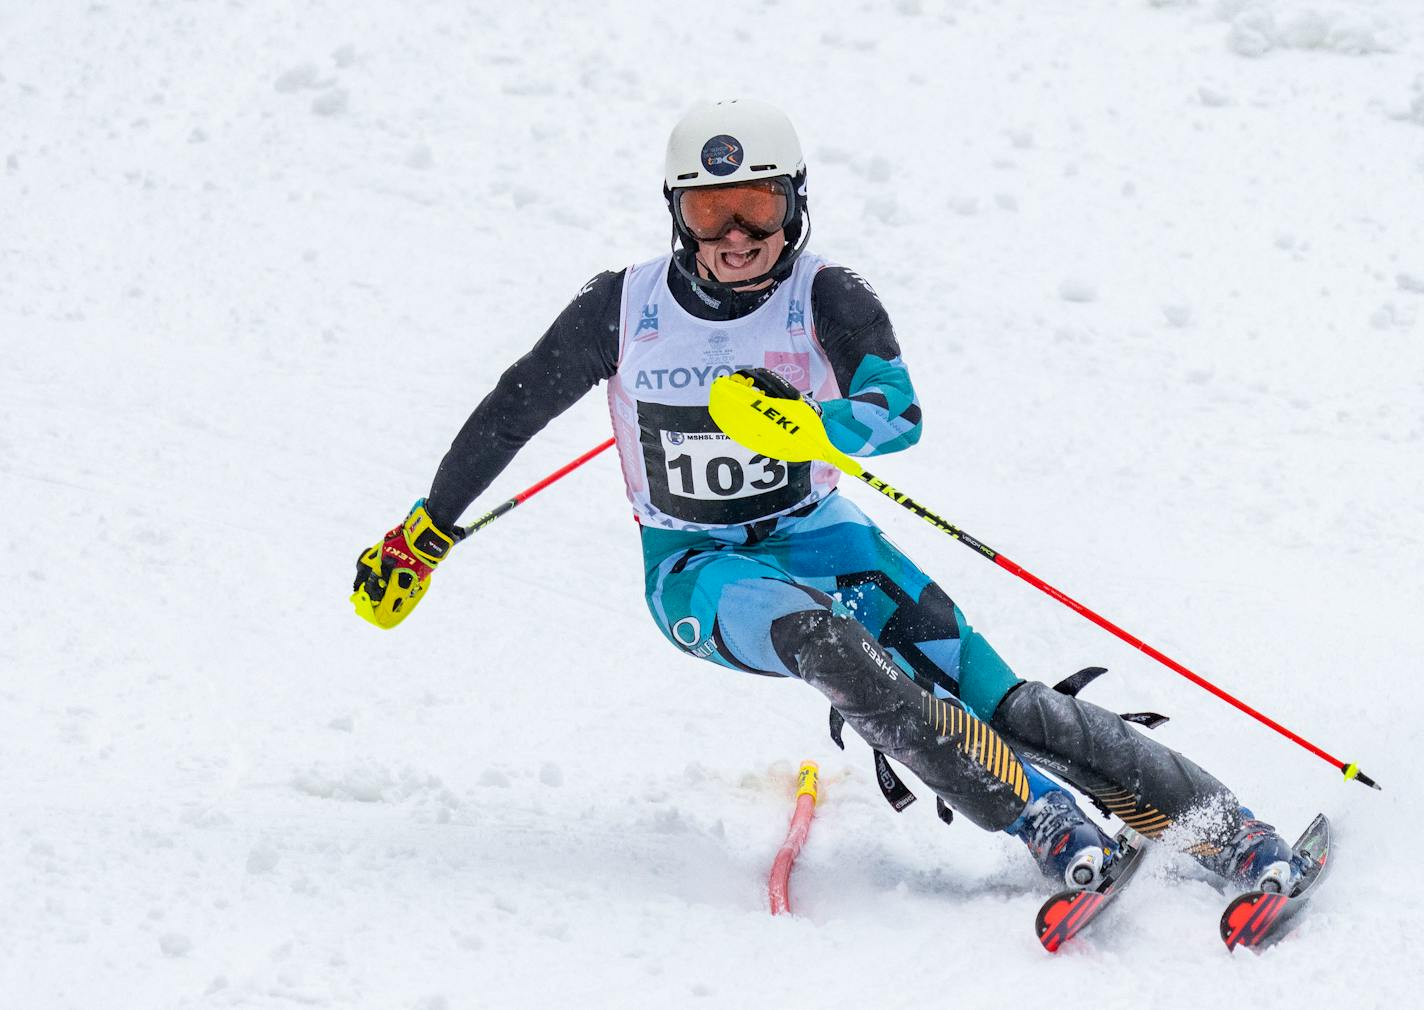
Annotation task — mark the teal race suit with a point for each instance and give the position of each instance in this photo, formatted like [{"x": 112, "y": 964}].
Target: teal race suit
[
  {"x": 760, "y": 565},
  {"x": 722, "y": 567}
]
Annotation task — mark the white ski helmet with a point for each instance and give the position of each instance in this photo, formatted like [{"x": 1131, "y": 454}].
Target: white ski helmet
[{"x": 731, "y": 142}]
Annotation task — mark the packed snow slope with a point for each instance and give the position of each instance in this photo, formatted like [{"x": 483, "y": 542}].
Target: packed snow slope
[{"x": 1156, "y": 267}]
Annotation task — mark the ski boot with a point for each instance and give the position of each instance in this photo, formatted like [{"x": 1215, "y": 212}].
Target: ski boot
[
  {"x": 1257, "y": 858},
  {"x": 1065, "y": 844}
]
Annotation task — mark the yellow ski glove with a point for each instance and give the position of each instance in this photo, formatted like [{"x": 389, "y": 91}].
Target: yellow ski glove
[{"x": 391, "y": 576}]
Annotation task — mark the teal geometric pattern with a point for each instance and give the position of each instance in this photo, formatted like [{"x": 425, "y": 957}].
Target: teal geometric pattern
[
  {"x": 715, "y": 594},
  {"x": 879, "y": 413}
]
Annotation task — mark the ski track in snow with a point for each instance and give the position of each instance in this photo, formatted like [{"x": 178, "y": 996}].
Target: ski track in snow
[{"x": 1156, "y": 267}]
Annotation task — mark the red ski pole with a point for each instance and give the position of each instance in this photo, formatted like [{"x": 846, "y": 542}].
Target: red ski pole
[
  {"x": 530, "y": 491},
  {"x": 792, "y": 430},
  {"x": 1350, "y": 769}
]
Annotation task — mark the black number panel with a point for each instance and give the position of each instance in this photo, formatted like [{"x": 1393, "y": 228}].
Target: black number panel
[{"x": 699, "y": 475}]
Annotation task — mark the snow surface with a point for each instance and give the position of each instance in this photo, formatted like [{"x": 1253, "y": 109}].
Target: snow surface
[{"x": 1156, "y": 265}]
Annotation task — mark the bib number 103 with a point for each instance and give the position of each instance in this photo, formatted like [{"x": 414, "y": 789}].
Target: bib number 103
[{"x": 718, "y": 468}]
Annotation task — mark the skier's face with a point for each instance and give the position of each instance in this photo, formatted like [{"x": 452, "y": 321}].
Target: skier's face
[{"x": 737, "y": 256}]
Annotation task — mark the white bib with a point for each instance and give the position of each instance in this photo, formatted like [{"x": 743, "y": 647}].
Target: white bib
[{"x": 681, "y": 471}]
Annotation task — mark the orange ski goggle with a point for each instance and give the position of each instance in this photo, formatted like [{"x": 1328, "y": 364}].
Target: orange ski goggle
[{"x": 760, "y": 208}]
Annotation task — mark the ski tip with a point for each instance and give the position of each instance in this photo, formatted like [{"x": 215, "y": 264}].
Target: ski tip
[{"x": 1352, "y": 771}]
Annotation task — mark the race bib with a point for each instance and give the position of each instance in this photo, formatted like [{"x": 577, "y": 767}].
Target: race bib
[
  {"x": 697, "y": 474},
  {"x": 711, "y": 466}
]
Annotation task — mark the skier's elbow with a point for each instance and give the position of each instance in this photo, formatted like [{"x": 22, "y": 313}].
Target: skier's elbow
[{"x": 900, "y": 440}]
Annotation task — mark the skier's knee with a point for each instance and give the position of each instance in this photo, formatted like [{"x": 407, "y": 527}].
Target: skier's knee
[
  {"x": 984, "y": 678},
  {"x": 822, "y": 643}
]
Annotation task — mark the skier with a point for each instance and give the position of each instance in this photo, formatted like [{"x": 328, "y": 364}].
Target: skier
[{"x": 759, "y": 565}]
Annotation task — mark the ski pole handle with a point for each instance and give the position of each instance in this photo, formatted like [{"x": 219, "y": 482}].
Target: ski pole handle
[
  {"x": 773, "y": 426},
  {"x": 530, "y": 491}
]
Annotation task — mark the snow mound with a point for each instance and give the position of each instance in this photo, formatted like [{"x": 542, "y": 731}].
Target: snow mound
[
  {"x": 371, "y": 783},
  {"x": 174, "y": 944},
  {"x": 1259, "y": 26},
  {"x": 1416, "y": 108},
  {"x": 1077, "y": 289}
]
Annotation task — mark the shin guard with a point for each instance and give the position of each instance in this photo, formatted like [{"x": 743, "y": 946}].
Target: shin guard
[
  {"x": 960, "y": 758},
  {"x": 1148, "y": 785}
]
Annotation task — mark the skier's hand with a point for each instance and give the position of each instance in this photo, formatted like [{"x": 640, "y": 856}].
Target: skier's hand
[
  {"x": 774, "y": 384},
  {"x": 788, "y": 427},
  {"x": 392, "y": 575}
]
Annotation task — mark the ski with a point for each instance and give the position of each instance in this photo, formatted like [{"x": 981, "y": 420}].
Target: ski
[
  {"x": 1068, "y": 912},
  {"x": 1258, "y": 919}
]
